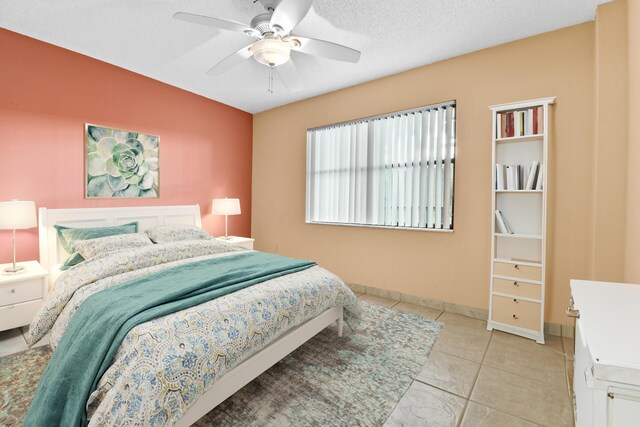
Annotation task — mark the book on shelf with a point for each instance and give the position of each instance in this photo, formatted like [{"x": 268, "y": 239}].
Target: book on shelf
[
  {"x": 539, "y": 179},
  {"x": 533, "y": 173},
  {"x": 500, "y": 178},
  {"x": 502, "y": 224},
  {"x": 510, "y": 176},
  {"x": 516, "y": 177},
  {"x": 529, "y": 121}
]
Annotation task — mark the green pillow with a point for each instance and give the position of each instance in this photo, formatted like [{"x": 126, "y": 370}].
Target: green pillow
[
  {"x": 74, "y": 259},
  {"x": 66, "y": 235}
]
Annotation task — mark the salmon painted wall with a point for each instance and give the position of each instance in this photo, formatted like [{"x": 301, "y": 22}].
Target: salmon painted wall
[{"x": 47, "y": 94}]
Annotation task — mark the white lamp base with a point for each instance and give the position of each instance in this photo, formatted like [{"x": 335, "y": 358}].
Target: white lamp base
[{"x": 17, "y": 270}]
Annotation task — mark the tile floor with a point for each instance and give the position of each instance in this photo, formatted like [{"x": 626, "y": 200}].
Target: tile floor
[
  {"x": 473, "y": 377},
  {"x": 13, "y": 341},
  {"x": 479, "y": 378}
]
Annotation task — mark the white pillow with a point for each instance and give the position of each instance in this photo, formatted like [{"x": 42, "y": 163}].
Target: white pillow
[
  {"x": 176, "y": 233},
  {"x": 92, "y": 247}
]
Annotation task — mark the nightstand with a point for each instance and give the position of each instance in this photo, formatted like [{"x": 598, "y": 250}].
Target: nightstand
[
  {"x": 245, "y": 242},
  {"x": 21, "y": 295}
]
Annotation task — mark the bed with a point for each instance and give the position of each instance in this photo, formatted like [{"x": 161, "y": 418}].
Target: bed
[{"x": 320, "y": 300}]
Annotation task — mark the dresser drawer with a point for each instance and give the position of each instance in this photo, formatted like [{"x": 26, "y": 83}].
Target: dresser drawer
[
  {"x": 14, "y": 315},
  {"x": 22, "y": 291},
  {"x": 516, "y": 288},
  {"x": 517, "y": 270},
  {"x": 515, "y": 312}
]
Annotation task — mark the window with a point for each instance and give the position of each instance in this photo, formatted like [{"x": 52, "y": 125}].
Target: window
[{"x": 388, "y": 171}]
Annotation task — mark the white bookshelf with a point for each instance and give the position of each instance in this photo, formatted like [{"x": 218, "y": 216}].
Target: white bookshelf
[{"x": 518, "y": 258}]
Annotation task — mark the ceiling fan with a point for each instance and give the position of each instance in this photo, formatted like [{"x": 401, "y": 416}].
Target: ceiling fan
[{"x": 273, "y": 30}]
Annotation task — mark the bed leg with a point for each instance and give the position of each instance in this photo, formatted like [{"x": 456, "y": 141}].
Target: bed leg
[{"x": 340, "y": 323}]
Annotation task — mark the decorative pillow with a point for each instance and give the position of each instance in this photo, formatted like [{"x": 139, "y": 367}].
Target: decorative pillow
[
  {"x": 67, "y": 234},
  {"x": 175, "y": 233},
  {"x": 92, "y": 247},
  {"x": 74, "y": 259}
]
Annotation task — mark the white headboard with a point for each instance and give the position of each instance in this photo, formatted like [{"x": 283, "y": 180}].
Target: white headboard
[{"x": 51, "y": 253}]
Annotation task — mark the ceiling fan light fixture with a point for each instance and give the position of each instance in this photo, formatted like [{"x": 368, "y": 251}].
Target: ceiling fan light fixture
[
  {"x": 294, "y": 43},
  {"x": 271, "y": 52}
]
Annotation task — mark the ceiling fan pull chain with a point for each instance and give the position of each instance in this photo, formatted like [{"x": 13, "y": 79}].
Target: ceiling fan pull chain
[{"x": 270, "y": 89}]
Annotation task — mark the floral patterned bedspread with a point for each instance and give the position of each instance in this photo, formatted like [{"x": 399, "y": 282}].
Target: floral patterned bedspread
[{"x": 164, "y": 365}]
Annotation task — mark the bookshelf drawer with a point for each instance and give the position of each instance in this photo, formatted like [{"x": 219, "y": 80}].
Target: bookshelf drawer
[
  {"x": 516, "y": 288},
  {"x": 515, "y": 312},
  {"x": 520, "y": 271}
]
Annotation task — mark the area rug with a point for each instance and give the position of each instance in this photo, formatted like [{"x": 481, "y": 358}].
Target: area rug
[
  {"x": 356, "y": 380},
  {"x": 19, "y": 375}
]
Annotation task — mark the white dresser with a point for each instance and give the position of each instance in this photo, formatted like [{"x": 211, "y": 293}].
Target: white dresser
[
  {"x": 21, "y": 295},
  {"x": 607, "y": 361}
]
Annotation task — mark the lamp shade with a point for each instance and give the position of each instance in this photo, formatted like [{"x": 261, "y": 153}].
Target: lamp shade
[
  {"x": 225, "y": 207},
  {"x": 17, "y": 215}
]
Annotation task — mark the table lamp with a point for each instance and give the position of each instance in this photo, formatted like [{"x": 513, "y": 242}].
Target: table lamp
[
  {"x": 17, "y": 215},
  {"x": 225, "y": 207}
]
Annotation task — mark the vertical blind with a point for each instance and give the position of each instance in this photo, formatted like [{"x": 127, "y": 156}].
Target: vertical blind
[{"x": 391, "y": 171}]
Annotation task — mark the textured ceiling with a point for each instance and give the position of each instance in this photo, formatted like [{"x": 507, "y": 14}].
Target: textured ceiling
[{"x": 393, "y": 35}]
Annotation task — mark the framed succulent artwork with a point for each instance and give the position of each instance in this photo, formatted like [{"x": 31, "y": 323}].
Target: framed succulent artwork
[{"x": 120, "y": 163}]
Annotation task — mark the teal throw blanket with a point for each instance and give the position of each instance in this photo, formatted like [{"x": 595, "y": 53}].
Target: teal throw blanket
[{"x": 102, "y": 321}]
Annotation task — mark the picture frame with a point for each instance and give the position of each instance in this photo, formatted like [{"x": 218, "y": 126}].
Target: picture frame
[{"x": 120, "y": 163}]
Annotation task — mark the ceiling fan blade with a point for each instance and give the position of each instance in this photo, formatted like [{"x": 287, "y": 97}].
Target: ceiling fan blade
[
  {"x": 326, "y": 49},
  {"x": 231, "y": 61},
  {"x": 211, "y": 22},
  {"x": 289, "y": 75},
  {"x": 289, "y": 13}
]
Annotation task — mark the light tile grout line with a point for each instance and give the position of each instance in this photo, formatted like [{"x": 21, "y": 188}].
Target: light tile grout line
[
  {"x": 498, "y": 369},
  {"x": 568, "y": 385},
  {"x": 468, "y": 399},
  {"x": 394, "y": 408},
  {"x": 486, "y": 349},
  {"x": 475, "y": 380},
  {"x": 518, "y": 375},
  {"x": 414, "y": 380},
  {"x": 566, "y": 376}
]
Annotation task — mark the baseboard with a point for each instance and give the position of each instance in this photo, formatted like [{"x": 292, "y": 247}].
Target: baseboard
[{"x": 554, "y": 329}]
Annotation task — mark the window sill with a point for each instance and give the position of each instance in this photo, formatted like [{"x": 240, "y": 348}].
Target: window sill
[{"x": 388, "y": 227}]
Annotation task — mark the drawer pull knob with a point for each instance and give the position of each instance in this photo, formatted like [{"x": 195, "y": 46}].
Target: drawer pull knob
[
  {"x": 517, "y": 267},
  {"x": 515, "y": 300},
  {"x": 13, "y": 291},
  {"x": 515, "y": 284},
  {"x": 515, "y": 317}
]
